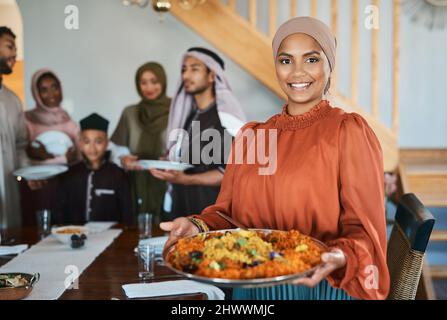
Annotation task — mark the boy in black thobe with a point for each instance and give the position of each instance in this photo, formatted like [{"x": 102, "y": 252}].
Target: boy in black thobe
[{"x": 94, "y": 189}]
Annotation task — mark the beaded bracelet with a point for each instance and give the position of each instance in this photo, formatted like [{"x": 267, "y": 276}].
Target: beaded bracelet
[{"x": 200, "y": 224}]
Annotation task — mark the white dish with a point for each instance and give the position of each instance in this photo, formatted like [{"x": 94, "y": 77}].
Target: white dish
[
  {"x": 164, "y": 165},
  {"x": 66, "y": 237},
  {"x": 56, "y": 142},
  {"x": 40, "y": 172}
]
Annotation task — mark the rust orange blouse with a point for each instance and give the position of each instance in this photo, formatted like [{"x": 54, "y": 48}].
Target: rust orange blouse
[{"x": 328, "y": 184}]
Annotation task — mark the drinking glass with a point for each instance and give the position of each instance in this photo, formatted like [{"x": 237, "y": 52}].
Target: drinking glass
[
  {"x": 146, "y": 261},
  {"x": 43, "y": 222},
  {"x": 145, "y": 225}
]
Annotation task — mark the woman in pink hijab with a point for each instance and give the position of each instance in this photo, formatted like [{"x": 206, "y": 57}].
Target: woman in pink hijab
[{"x": 49, "y": 115}]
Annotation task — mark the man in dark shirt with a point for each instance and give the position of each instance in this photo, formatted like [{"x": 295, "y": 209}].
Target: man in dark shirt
[
  {"x": 94, "y": 189},
  {"x": 201, "y": 106}
]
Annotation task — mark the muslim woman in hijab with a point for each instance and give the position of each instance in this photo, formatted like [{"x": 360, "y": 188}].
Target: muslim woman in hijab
[
  {"x": 142, "y": 129},
  {"x": 48, "y": 115},
  {"x": 328, "y": 181}
]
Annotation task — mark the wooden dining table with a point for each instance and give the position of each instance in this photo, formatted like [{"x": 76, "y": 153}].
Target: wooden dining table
[{"x": 115, "y": 266}]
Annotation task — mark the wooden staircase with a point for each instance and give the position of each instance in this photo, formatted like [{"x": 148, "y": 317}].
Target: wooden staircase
[{"x": 241, "y": 40}]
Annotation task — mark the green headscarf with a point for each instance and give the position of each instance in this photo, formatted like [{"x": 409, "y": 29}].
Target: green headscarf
[
  {"x": 152, "y": 114},
  {"x": 153, "y": 119}
]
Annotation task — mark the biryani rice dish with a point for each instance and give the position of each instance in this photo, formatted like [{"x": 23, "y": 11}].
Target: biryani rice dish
[{"x": 245, "y": 254}]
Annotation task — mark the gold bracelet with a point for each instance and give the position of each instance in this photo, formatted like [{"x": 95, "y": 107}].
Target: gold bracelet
[
  {"x": 197, "y": 224},
  {"x": 200, "y": 224}
]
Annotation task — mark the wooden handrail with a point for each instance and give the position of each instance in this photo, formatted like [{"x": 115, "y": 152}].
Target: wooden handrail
[{"x": 232, "y": 5}]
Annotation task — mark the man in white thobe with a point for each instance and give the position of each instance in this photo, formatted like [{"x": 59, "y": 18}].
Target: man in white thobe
[{"x": 13, "y": 136}]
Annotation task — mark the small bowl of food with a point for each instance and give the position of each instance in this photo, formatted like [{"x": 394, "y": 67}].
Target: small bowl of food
[
  {"x": 17, "y": 286},
  {"x": 64, "y": 234}
]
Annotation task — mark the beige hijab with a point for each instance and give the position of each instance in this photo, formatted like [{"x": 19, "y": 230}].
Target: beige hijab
[{"x": 312, "y": 27}]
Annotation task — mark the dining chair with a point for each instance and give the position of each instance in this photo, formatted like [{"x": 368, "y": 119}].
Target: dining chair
[{"x": 406, "y": 247}]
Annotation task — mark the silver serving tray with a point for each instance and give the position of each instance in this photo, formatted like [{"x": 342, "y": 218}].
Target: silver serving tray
[{"x": 242, "y": 283}]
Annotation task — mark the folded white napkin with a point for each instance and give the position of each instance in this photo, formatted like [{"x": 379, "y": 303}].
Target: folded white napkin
[
  {"x": 99, "y": 226},
  {"x": 158, "y": 242},
  {"x": 168, "y": 288},
  {"x": 7, "y": 250}
]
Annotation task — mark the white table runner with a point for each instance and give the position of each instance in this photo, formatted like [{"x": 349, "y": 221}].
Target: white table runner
[{"x": 58, "y": 264}]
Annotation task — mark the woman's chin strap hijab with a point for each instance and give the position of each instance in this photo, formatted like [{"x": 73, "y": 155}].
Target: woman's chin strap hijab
[{"x": 313, "y": 28}]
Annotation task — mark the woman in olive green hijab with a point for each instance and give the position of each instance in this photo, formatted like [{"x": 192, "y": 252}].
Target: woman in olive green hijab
[{"x": 142, "y": 128}]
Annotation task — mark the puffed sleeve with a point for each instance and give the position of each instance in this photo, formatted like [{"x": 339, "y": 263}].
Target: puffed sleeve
[
  {"x": 224, "y": 200},
  {"x": 362, "y": 235}
]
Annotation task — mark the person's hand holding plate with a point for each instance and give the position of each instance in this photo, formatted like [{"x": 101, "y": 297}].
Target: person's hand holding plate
[
  {"x": 71, "y": 155},
  {"x": 130, "y": 162},
  {"x": 37, "y": 151}
]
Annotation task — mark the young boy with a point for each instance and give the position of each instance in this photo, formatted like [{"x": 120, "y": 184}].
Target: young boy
[{"x": 94, "y": 189}]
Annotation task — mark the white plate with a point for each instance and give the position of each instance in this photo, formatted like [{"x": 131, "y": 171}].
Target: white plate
[
  {"x": 56, "y": 142},
  {"x": 40, "y": 172},
  {"x": 164, "y": 165}
]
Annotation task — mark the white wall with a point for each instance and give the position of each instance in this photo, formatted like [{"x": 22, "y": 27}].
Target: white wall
[
  {"x": 423, "y": 86},
  {"x": 97, "y": 62}
]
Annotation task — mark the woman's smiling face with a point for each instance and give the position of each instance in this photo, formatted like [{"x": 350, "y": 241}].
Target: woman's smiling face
[
  {"x": 50, "y": 90},
  {"x": 302, "y": 69},
  {"x": 150, "y": 86}
]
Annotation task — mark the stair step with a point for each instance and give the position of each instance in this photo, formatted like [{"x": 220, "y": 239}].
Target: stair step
[
  {"x": 438, "y": 169},
  {"x": 438, "y": 272},
  {"x": 439, "y": 235},
  {"x": 424, "y": 173},
  {"x": 431, "y": 189},
  {"x": 422, "y": 156}
]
